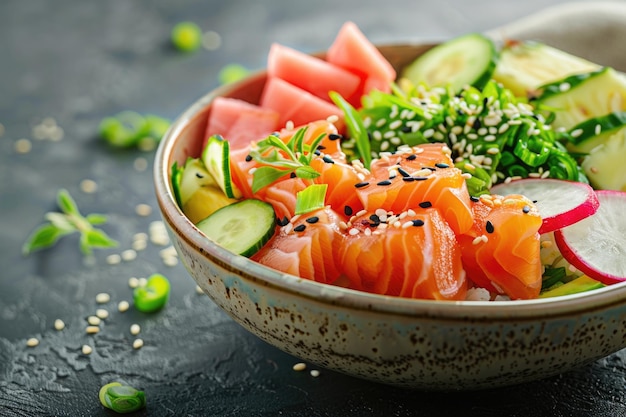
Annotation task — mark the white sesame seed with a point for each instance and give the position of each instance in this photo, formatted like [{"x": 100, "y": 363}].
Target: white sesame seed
[
  {"x": 289, "y": 125},
  {"x": 428, "y": 133},
  {"x": 395, "y": 124},
  {"x": 103, "y": 298},
  {"x": 32, "y": 342},
  {"x": 315, "y": 373},
  {"x": 137, "y": 343},
  {"x": 114, "y": 259},
  {"x": 22, "y": 146},
  {"x": 564, "y": 87},
  {"x": 577, "y": 132},
  {"x": 92, "y": 329},
  {"x": 170, "y": 261},
  {"x": 133, "y": 282},
  {"x": 102, "y": 314},
  {"x": 93, "y": 320},
  {"x": 300, "y": 366},
  {"x": 139, "y": 245},
  {"x": 88, "y": 186},
  {"x": 353, "y": 232},
  {"x": 333, "y": 118},
  {"x": 129, "y": 255},
  {"x": 86, "y": 349},
  {"x": 381, "y": 122},
  {"x": 598, "y": 129},
  {"x": 59, "y": 324},
  {"x": 477, "y": 240},
  {"x": 123, "y": 306},
  {"x": 199, "y": 290},
  {"x": 143, "y": 210},
  {"x": 135, "y": 329}
]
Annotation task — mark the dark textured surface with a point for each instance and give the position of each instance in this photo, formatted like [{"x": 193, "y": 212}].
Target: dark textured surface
[{"x": 78, "y": 61}]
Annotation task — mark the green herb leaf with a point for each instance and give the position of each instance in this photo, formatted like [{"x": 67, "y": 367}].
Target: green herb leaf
[
  {"x": 96, "y": 219},
  {"x": 355, "y": 127},
  {"x": 44, "y": 236},
  {"x": 264, "y": 176},
  {"x": 66, "y": 202},
  {"x": 97, "y": 238},
  {"x": 306, "y": 172},
  {"x": 311, "y": 198}
]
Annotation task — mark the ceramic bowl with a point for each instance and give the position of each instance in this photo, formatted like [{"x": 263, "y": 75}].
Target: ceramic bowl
[{"x": 432, "y": 345}]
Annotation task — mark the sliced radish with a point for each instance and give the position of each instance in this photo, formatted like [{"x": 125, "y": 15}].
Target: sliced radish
[
  {"x": 560, "y": 202},
  {"x": 597, "y": 244}
]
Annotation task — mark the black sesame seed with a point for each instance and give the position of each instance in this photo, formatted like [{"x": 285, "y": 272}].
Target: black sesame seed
[
  {"x": 526, "y": 209},
  {"x": 383, "y": 182},
  {"x": 408, "y": 179},
  {"x": 375, "y": 218},
  {"x": 489, "y": 227},
  {"x": 292, "y": 175},
  {"x": 199, "y": 175},
  {"x": 474, "y": 198},
  {"x": 248, "y": 158},
  {"x": 299, "y": 228},
  {"x": 425, "y": 204},
  {"x": 317, "y": 152},
  {"x": 420, "y": 178},
  {"x": 477, "y": 124},
  {"x": 312, "y": 219},
  {"x": 283, "y": 222},
  {"x": 321, "y": 147},
  {"x": 328, "y": 159},
  {"x": 347, "y": 210},
  {"x": 411, "y": 157},
  {"x": 406, "y": 129},
  {"x": 361, "y": 184},
  {"x": 418, "y": 222},
  {"x": 403, "y": 172},
  {"x": 442, "y": 165},
  {"x": 334, "y": 136}
]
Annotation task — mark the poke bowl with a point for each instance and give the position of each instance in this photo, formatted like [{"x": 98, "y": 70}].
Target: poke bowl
[{"x": 413, "y": 343}]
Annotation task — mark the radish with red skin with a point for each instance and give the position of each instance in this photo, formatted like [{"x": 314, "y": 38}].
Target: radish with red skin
[
  {"x": 560, "y": 203},
  {"x": 597, "y": 244}
]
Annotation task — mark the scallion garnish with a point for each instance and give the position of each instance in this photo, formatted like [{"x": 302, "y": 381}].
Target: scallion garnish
[
  {"x": 121, "y": 398},
  {"x": 311, "y": 198},
  {"x": 355, "y": 125},
  {"x": 153, "y": 295}
]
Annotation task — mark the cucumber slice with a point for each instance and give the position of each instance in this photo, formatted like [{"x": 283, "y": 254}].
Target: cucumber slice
[
  {"x": 216, "y": 159},
  {"x": 605, "y": 165},
  {"x": 578, "y": 98},
  {"x": 593, "y": 132},
  {"x": 523, "y": 67},
  {"x": 243, "y": 227},
  {"x": 465, "y": 60}
]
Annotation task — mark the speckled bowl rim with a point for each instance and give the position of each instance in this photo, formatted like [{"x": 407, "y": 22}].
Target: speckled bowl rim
[{"x": 184, "y": 229}]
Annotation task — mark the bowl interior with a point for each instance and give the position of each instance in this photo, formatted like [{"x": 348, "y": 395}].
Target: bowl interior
[{"x": 184, "y": 139}]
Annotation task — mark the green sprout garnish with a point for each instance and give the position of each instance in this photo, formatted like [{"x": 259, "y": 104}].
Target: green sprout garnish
[
  {"x": 130, "y": 129},
  {"x": 311, "y": 198},
  {"x": 69, "y": 220},
  {"x": 153, "y": 295},
  {"x": 279, "y": 159},
  {"x": 121, "y": 398},
  {"x": 186, "y": 36}
]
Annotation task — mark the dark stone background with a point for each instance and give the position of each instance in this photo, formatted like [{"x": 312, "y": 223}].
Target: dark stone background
[{"x": 79, "y": 61}]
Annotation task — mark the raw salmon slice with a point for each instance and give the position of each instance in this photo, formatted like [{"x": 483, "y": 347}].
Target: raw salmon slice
[
  {"x": 420, "y": 176},
  {"x": 501, "y": 251},
  {"x": 314, "y": 238},
  {"x": 414, "y": 254}
]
